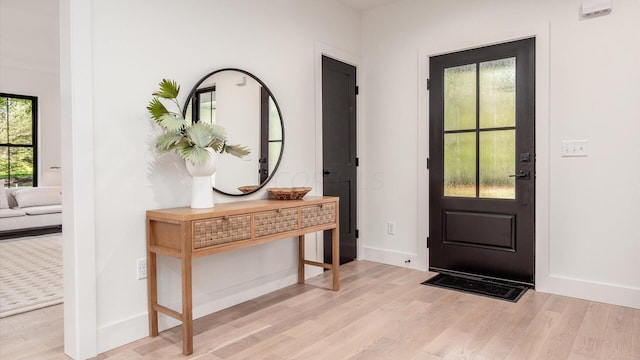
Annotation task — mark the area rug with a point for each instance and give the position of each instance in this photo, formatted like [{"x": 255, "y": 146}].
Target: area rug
[
  {"x": 30, "y": 274},
  {"x": 479, "y": 286}
]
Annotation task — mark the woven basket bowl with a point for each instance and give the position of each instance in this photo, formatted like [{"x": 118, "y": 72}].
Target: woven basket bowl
[
  {"x": 292, "y": 193},
  {"x": 248, "y": 188}
]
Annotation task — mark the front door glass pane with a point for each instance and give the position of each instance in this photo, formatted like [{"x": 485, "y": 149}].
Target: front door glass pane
[
  {"x": 494, "y": 159},
  {"x": 460, "y": 164},
  {"x": 497, "y": 162},
  {"x": 498, "y": 93},
  {"x": 460, "y": 97}
]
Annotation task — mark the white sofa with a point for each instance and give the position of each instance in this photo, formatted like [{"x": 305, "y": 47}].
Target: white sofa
[{"x": 30, "y": 211}]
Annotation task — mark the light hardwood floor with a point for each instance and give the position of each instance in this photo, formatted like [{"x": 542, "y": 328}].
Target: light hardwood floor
[{"x": 381, "y": 312}]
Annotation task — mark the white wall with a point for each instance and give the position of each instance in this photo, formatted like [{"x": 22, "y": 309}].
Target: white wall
[
  {"x": 592, "y": 90},
  {"x": 29, "y": 65},
  {"x": 132, "y": 51}
]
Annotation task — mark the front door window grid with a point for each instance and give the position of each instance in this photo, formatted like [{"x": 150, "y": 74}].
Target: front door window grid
[{"x": 479, "y": 129}]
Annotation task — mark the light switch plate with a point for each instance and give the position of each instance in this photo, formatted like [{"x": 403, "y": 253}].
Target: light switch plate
[
  {"x": 571, "y": 148},
  {"x": 391, "y": 227}
]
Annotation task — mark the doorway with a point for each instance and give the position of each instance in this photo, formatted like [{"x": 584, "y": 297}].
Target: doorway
[
  {"x": 482, "y": 161},
  {"x": 339, "y": 158}
]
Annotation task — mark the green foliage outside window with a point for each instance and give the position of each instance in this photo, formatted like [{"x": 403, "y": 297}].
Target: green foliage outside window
[{"x": 17, "y": 148}]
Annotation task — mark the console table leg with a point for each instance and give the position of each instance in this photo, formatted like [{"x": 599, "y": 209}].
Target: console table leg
[
  {"x": 152, "y": 288},
  {"x": 301, "y": 259},
  {"x": 335, "y": 249},
  {"x": 187, "y": 316}
]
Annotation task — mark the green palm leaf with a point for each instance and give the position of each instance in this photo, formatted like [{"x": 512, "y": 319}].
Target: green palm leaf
[
  {"x": 156, "y": 109},
  {"x": 169, "y": 89},
  {"x": 195, "y": 154},
  {"x": 188, "y": 140},
  {"x": 169, "y": 141},
  {"x": 173, "y": 122},
  {"x": 218, "y": 131},
  {"x": 217, "y": 145},
  {"x": 237, "y": 150},
  {"x": 200, "y": 134}
]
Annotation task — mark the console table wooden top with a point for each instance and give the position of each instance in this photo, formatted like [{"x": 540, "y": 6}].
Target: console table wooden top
[{"x": 186, "y": 233}]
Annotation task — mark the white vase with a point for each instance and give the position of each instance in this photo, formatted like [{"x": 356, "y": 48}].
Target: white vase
[{"x": 201, "y": 188}]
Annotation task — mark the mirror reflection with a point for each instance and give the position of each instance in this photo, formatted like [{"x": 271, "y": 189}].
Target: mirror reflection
[{"x": 246, "y": 108}]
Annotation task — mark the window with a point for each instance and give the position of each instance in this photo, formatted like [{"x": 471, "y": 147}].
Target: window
[
  {"x": 18, "y": 150},
  {"x": 480, "y": 129}
]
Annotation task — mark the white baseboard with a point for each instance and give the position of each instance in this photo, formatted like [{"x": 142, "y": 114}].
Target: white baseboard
[
  {"x": 581, "y": 289},
  {"x": 136, "y": 327},
  {"x": 390, "y": 257},
  {"x": 553, "y": 284}
]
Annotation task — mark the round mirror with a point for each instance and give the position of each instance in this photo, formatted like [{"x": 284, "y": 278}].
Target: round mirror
[{"x": 246, "y": 108}]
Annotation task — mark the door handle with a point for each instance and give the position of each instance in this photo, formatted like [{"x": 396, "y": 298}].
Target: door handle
[
  {"x": 325, "y": 172},
  {"x": 521, "y": 175}
]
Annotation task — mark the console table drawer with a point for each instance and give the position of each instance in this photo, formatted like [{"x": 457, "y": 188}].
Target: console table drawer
[
  {"x": 275, "y": 221},
  {"x": 221, "y": 230},
  {"x": 318, "y": 214}
]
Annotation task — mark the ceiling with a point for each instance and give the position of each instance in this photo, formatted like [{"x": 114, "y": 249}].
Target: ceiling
[{"x": 367, "y": 4}]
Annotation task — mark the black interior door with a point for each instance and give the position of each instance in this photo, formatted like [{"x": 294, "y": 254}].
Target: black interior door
[
  {"x": 339, "y": 150},
  {"x": 482, "y": 161}
]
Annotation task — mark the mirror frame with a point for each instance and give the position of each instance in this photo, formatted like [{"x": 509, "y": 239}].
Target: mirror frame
[{"x": 189, "y": 103}]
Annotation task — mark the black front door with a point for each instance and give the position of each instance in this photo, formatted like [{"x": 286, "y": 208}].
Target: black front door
[
  {"x": 482, "y": 161},
  {"x": 339, "y": 150}
]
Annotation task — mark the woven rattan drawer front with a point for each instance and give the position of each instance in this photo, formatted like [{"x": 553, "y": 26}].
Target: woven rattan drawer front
[
  {"x": 318, "y": 214},
  {"x": 221, "y": 230},
  {"x": 275, "y": 221}
]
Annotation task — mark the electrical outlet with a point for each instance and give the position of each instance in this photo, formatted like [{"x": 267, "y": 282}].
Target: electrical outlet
[
  {"x": 391, "y": 228},
  {"x": 571, "y": 148},
  {"x": 141, "y": 268}
]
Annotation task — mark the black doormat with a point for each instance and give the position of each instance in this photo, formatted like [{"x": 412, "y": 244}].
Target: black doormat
[{"x": 486, "y": 287}]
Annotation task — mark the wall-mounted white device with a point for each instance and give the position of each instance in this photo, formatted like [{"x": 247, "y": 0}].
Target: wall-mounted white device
[
  {"x": 242, "y": 81},
  {"x": 593, "y": 8}
]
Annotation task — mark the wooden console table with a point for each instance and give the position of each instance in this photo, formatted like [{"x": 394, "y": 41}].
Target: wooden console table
[{"x": 187, "y": 233}]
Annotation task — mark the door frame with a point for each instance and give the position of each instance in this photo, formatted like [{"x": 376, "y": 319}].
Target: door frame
[
  {"x": 81, "y": 333},
  {"x": 462, "y": 42},
  {"x": 354, "y": 60}
]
